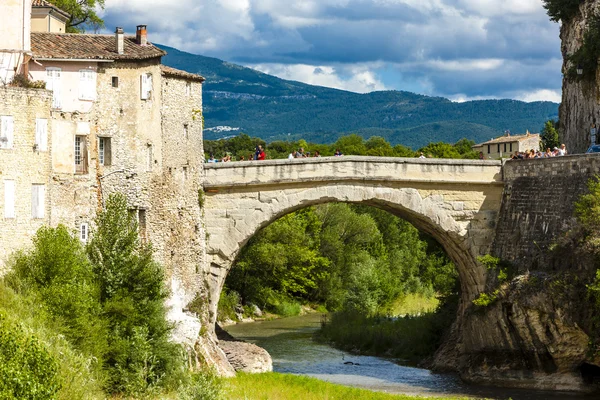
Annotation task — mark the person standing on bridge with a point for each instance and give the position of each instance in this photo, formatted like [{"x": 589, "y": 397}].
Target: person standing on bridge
[{"x": 260, "y": 153}]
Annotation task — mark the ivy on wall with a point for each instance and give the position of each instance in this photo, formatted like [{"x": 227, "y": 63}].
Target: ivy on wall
[{"x": 587, "y": 56}]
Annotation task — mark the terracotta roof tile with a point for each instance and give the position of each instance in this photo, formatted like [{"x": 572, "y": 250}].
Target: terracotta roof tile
[
  {"x": 508, "y": 139},
  {"x": 67, "y": 46},
  {"x": 168, "y": 71}
]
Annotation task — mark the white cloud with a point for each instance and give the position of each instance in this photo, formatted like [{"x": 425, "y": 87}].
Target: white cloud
[
  {"x": 541, "y": 95},
  {"x": 355, "y": 79}
]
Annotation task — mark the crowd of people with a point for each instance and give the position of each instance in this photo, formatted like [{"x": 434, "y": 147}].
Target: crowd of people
[
  {"x": 260, "y": 154},
  {"x": 529, "y": 154}
]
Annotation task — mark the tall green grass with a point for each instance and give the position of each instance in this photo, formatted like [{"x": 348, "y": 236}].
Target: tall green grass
[{"x": 274, "y": 386}]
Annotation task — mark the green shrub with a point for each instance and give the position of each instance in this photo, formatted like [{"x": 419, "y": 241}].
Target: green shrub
[
  {"x": 27, "y": 370},
  {"x": 288, "y": 308},
  {"x": 202, "y": 385},
  {"x": 228, "y": 303}
]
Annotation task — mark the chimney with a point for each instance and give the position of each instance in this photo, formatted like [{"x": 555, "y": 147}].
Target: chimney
[
  {"x": 120, "y": 39},
  {"x": 141, "y": 35}
]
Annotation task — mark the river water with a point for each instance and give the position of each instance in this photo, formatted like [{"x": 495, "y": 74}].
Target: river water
[{"x": 289, "y": 341}]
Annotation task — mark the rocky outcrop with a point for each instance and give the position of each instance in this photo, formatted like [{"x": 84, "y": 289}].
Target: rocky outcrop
[
  {"x": 580, "y": 108},
  {"x": 242, "y": 356}
]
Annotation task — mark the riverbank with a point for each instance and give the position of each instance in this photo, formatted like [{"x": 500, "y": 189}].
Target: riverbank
[{"x": 276, "y": 386}]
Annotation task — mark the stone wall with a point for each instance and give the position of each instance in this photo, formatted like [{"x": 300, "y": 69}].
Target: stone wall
[
  {"x": 25, "y": 165},
  {"x": 537, "y": 206}
]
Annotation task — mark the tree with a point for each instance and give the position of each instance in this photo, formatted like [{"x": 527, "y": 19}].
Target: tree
[
  {"x": 550, "y": 137},
  {"x": 562, "y": 10},
  {"x": 83, "y": 14}
]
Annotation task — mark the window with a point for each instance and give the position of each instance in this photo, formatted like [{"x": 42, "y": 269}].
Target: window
[
  {"x": 185, "y": 130},
  {"x": 41, "y": 134},
  {"x": 6, "y": 132},
  {"x": 104, "y": 151},
  {"x": 38, "y": 193},
  {"x": 87, "y": 84},
  {"x": 498, "y": 148},
  {"x": 505, "y": 147},
  {"x": 489, "y": 149},
  {"x": 185, "y": 173},
  {"x": 9, "y": 199},
  {"x": 115, "y": 81},
  {"x": 150, "y": 157},
  {"x": 188, "y": 88},
  {"x": 146, "y": 87},
  {"x": 142, "y": 224},
  {"x": 53, "y": 83},
  {"x": 511, "y": 147},
  {"x": 81, "y": 164},
  {"x": 84, "y": 232}
]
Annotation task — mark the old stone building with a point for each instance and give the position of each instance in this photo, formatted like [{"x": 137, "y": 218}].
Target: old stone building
[
  {"x": 505, "y": 146},
  {"x": 112, "y": 119}
]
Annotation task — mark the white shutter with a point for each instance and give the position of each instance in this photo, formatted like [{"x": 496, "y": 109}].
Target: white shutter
[
  {"x": 146, "y": 86},
  {"x": 6, "y": 132},
  {"x": 38, "y": 194},
  {"x": 41, "y": 134},
  {"x": 87, "y": 84},
  {"x": 9, "y": 199},
  {"x": 53, "y": 83}
]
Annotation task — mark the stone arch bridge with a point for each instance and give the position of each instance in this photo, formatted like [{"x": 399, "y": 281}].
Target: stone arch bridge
[{"x": 455, "y": 201}]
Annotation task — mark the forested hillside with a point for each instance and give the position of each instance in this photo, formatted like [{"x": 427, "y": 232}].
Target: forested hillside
[{"x": 273, "y": 109}]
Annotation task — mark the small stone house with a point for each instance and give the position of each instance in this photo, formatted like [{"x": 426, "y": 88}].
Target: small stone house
[{"x": 505, "y": 146}]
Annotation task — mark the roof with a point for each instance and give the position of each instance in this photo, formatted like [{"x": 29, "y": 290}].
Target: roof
[
  {"x": 510, "y": 139},
  {"x": 177, "y": 73},
  {"x": 81, "y": 46},
  {"x": 45, "y": 4}
]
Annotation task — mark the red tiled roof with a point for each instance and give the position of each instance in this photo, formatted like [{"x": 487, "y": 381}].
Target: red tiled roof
[
  {"x": 66, "y": 46},
  {"x": 44, "y": 3},
  {"x": 177, "y": 73},
  {"x": 508, "y": 139}
]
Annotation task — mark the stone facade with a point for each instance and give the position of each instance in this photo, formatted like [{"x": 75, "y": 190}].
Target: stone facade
[
  {"x": 506, "y": 146},
  {"x": 15, "y": 43},
  {"x": 23, "y": 165}
]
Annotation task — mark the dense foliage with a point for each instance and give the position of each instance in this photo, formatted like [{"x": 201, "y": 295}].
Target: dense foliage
[
  {"x": 84, "y": 14},
  {"x": 562, "y": 10},
  {"x": 549, "y": 135},
  {"x": 243, "y": 145},
  {"x": 349, "y": 257},
  {"x": 276, "y": 109},
  {"x": 107, "y": 300},
  {"x": 586, "y": 57}
]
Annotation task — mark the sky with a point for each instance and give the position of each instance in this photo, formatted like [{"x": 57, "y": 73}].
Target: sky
[{"x": 459, "y": 49}]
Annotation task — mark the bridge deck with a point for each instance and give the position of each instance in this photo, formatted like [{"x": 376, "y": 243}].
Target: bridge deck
[{"x": 351, "y": 168}]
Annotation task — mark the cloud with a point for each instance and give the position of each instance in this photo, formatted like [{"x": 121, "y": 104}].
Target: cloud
[
  {"x": 360, "y": 79},
  {"x": 454, "y": 48}
]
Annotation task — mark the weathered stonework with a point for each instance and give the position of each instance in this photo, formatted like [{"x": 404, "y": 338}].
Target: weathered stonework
[
  {"x": 457, "y": 202},
  {"x": 25, "y": 165}
]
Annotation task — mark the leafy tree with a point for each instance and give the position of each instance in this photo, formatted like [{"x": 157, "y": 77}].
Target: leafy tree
[
  {"x": 550, "y": 135},
  {"x": 132, "y": 294},
  {"x": 562, "y": 10},
  {"x": 58, "y": 273},
  {"x": 83, "y": 14},
  {"x": 351, "y": 145}
]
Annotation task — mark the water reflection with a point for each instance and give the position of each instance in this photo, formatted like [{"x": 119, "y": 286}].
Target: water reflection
[{"x": 289, "y": 341}]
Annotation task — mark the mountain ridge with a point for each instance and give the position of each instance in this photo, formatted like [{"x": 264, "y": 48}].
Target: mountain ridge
[{"x": 272, "y": 108}]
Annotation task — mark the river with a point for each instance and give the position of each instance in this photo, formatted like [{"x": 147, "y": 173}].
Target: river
[{"x": 289, "y": 341}]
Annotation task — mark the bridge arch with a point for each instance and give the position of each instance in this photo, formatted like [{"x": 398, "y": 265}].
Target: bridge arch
[{"x": 456, "y": 202}]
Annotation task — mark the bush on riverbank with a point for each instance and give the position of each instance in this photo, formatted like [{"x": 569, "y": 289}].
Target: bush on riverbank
[{"x": 411, "y": 338}]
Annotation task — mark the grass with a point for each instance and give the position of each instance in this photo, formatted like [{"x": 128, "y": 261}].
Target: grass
[
  {"x": 77, "y": 374},
  {"x": 274, "y": 386},
  {"x": 415, "y": 304}
]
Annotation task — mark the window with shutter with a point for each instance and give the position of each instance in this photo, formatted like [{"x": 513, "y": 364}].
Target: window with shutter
[
  {"x": 6, "y": 132},
  {"x": 81, "y": 157},
  {"x": 9, "y": 199},
  {"x": 104, "y": 151},
  {"x": 41, "y": 134},
  {"x": 53, "y": 83},
  {"x": 38, "y": 194},
  {"x": 146, "y": 86},
  {"x": 87, "y": 84},
  {"x": 84, "y": 232}
]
